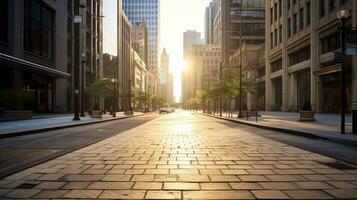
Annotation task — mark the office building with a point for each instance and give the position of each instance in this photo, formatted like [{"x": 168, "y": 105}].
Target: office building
[
  {"x": 236, "y": 22},
  {"x": 148, "y": 11},
  {"x": 202, "y": 70},
  {"x": 301, "y": 38},
  {"x": 166, "y": 79},
  {"x": 33, "y": 55},
  {"x": 190, "y": 38},
  {"x": 140, "y": 41}
]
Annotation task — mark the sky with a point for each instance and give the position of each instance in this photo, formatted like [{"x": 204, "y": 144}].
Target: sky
[{"x": 176, "y": 16}]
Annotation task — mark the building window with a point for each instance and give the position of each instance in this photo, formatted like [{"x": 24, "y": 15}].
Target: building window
[
  {"x": 289, "y": 27},
  {"x": 280, "y": 34},
  {"x": 276, "y": 37},
  {"x": 330, "y": 43},
  {"x": 308, "y": 13},
  {"x": 38, "y": 29},
  {"x": 301, "y": 18},
  {"x": 280, "y": 8},
  {"x": 294, "y": 24},
  {"x": 289, "y": 4},
  {"x": 276, "y": 65},
  {"x": 322, "y": 8},
  {"x": 271, "y": 40},
  {"x": 4, "y": 21},
  {"x": 271, "y": 16},
  {"x": 299, "y": 56},
  {"x": 275, "y": 11},
  {"x": 331, "y": 5}
]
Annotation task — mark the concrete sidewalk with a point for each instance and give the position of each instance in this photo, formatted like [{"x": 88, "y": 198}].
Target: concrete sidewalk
[
  {"x": 326, "y": 125},
  {"x": 21, "y": 127}
]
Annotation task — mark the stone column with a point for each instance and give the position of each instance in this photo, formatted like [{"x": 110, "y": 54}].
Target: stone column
[
  {"x": 314, "y": 60},
  {"x": 268, "y": 85},
  {"x": 285, "y": 67}
]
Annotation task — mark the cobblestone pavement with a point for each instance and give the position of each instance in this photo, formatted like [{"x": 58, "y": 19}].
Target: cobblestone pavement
[{"x": 184, "y": 156}]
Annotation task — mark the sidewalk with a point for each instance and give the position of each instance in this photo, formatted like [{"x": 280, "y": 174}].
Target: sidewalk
[
  {"x": 326, "y": 125},
  {"x": 21, "y": 127}
]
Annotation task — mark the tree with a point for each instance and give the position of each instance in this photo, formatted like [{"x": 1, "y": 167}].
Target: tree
[{"x": 101, "y": 89}]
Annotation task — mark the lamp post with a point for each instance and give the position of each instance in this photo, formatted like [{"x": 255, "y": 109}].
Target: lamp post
[
  {"x": 220, "y": 81},
  {"x": 115, "y": 102},
  {"x": 82, "y": 84},
  {"x": 342, "y": 15}
]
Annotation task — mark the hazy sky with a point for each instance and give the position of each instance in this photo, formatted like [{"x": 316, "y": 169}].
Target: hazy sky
[{"x": 177, "y": 16}]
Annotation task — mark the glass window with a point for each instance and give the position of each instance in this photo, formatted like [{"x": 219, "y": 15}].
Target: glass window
[
  {"x": 38, "y": 29},
  {"x": 3, "y": 21}
]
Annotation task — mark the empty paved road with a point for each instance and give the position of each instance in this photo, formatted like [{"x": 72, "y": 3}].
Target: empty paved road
[{"x": 186, "y": 156}]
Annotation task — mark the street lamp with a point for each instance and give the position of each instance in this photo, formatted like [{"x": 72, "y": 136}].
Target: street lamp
[
  {"x": 82, "y": 84},
  {"x": 342, "y": 15},
  {"x": 115, "y": 102},
  {"x": 220, "y": 81}
]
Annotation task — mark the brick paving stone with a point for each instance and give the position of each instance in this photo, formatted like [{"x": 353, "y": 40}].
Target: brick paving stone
[
  {"x": 215, "y": 186},
  {"x": 50, "y": 194},
  {"x": 147, "y": 186},
  {"x": 245, "y": 186},
  {"x": 210, "y": 171},
  {"x": 342, "y": 184},
  {"x": 282, "y": 178},
  {"x": 76, "y": 185},
  {"x": 313, "y": 185},
  {"x": 123, "y": 194},
  {"x": 234, "y": 171},
  {"x": 156, "y": 171},
  {"x": 343, "y": 193},
  {"x": 82, "y": 177},
  {"x": 181, "y": 186},
  {"x": 22, "y": 193},
  {"x": 278, "y": 185},
  {"x": 50, "y": 185},
  {"x": 308, "y": 194},
  {"x": 269, "y": 194},
  {"x": 253, "y": 178},
  {"x": 165, "y": 178},
  {"x": 193, "y": 178},
  {"x": 115, "y": 178},
  {"x": 224, "y": 178},
  {"x": 110, "y": 185},
  {"x": 143, "y": 178},
  {"x": 83, "y": 194},
  {"x": 217, "y": 195},
  {"x": 163, "y": 195}
]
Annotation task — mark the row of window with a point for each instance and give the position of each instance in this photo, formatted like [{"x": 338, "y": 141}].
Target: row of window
[
  {"x": 332, "y": 4},
  {"x": 299, "y": 56},
  {"x": 3, "y": 21},
  {"x": 249, "y": 3}
]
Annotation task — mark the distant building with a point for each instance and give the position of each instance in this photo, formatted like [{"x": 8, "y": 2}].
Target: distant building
[
  {"x": 209, "y": 18},
  {"x": 110, "y": 66},
  {"x": 166, "y": 79},
  {"x": 202, "y": 71},
  {"x": 190, "y": 38},
  {"x": 236, "y": 22},
  {"x": 140, "y": 41},
  {"x": 251, "y": 57},
  {"x": 148, "y": 11}
]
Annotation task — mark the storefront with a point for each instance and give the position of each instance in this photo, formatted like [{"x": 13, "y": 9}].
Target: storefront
[{"x": 27, "y": 86}]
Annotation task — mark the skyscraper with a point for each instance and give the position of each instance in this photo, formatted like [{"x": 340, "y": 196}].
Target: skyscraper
[
  {"x": 190, "y": 38},
  {"x": 148, "y": 11}
]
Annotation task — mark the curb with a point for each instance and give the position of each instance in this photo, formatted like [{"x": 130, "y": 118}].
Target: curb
[
  {"x": 288, "y": 131},
  {"x": 41, "y": 130}
]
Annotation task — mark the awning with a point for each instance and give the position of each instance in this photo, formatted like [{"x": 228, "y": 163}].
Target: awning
[{"x": 22, "y": 64}]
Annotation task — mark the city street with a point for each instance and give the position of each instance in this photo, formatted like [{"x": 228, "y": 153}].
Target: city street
[{"x": 185, "y": 156}]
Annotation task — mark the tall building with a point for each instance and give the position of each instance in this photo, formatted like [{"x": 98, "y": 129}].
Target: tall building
[
  {"x": 301, "y": 38},
  {"x": 89, "y": 39},
  {"x": 148, "y": 11},
  {"x": 125, "y": 70},
  {"x": 236, "y": 22},
  {"x": 139, "y": 41},
  {"x": 33, "y": 59},
  {"x": 202, "y": 70},
  {"x": 190, "y": 38},
  {"x": 166, "y": 79},
  {"x": 209, "y": 18}
]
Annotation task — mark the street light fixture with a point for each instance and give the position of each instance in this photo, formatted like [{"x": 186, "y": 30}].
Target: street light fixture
[
  {"x": 82, "y": 84},
  {"x": 342, "y": 15}
]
